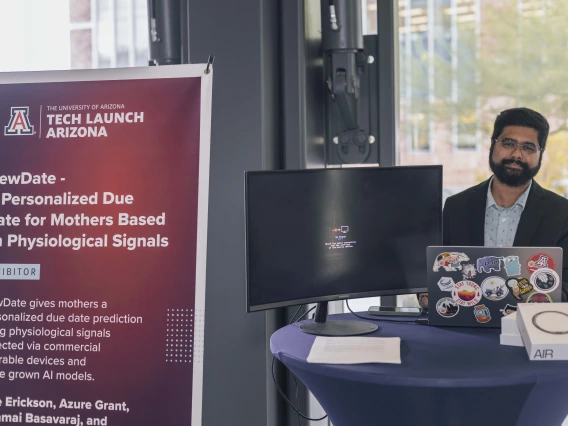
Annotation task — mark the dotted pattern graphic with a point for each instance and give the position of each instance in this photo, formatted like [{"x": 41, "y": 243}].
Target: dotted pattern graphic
[{"x": 179, "y": 335}]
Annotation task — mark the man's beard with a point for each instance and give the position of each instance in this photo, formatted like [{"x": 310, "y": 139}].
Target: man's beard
[{"x": 513, "y": 177}]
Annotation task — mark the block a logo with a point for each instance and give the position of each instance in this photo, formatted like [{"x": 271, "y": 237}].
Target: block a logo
[{"x": 19, "y": 122}]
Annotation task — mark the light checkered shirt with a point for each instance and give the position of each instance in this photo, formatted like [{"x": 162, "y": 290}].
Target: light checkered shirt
[{"x": 501, "y": 223}]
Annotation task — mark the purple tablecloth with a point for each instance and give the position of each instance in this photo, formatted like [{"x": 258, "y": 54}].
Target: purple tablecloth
[{"x": 448, "y": 376}]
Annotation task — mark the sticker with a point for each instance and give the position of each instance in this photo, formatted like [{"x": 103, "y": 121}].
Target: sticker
[
  {"x": 540, "y": 260},
  {"x": 447, "y": 307},
  {"x": 494, "y": 288},
  {"x": 519, "y": 287},
  {"x": 450, "y": 261},
  {"x": 545, "y": 280},
  {"x": 512, "y": 266},
  {"x": 539, "y": 298},
  {"x": 508, "y": 310},
  {"x": 446, "y": 283},
  {"x": 524, "y": 286},
  {"x": 482, "y": 314},
  {"x": 466, "y": 293},
  {"x": 469, "y": 271},
  {"x": 488, "y": 264},
  {"x": 513, "y": 284}
]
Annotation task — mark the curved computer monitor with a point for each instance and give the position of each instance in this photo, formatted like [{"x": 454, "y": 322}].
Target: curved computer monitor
[{"x": 320, "y": 235}]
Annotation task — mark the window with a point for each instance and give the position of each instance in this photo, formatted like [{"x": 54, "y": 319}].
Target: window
[
  {"x": 73, "y": 34},
  {"x": 34, "y": 35},
  {"x": 461, "y": 63}
]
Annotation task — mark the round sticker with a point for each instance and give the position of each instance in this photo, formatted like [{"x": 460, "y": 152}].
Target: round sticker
[
  {"x": 494, "y": 288},
  {"x": 540, "y": 260},
  {"x": 539, "y": 298},
  {"x": 545, "y": 280},
  {"x": 447, "y": 307},
  {"x": 466, "y": 293}
]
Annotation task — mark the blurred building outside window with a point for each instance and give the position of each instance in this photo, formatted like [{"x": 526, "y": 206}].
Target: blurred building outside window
[{"x": 460, "y": 63}]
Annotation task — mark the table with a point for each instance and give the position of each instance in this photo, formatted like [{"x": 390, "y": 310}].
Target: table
[{"x": 448, "y": 376}]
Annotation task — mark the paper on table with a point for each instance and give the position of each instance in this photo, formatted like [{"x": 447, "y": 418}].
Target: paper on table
[{"x": 355, "y": 350}]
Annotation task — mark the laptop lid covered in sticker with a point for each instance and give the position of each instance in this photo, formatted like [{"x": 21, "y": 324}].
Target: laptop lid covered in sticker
[{"x": 477, "y": 286}]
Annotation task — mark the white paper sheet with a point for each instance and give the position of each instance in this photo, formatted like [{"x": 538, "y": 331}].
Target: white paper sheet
[{"x": 355, "y": 350}]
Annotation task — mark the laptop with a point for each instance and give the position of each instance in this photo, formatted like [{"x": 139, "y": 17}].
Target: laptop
[{"x": 477, "y": 286}]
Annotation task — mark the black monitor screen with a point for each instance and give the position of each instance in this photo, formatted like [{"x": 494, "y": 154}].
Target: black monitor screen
[{"x": 329, "y": 234}]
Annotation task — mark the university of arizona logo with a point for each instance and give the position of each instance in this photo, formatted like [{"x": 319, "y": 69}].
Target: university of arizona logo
[{"x": 19, "y": 122}]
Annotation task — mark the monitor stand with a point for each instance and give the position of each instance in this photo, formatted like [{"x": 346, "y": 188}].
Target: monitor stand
[{"x": 322, "y": 327}]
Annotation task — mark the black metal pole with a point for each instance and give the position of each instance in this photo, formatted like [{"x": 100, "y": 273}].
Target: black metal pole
[{"x": 165, "y": 32}]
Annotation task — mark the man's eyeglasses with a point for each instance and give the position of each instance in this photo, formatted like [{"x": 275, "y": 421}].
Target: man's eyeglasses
[{"x": 525, "y": 147}]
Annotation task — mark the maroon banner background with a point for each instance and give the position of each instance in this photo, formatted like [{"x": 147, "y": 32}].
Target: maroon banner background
[{"x": 145, "y": 367}]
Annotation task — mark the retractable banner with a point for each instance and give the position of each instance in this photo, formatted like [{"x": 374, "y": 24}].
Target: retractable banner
[{"x": 104, "y": 178}]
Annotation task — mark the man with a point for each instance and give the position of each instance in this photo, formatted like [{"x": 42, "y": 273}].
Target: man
[{"x": 510, "y": 208}]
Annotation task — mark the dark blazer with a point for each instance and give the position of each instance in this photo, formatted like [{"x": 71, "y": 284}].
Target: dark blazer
[{"x": 544, "y": 222}]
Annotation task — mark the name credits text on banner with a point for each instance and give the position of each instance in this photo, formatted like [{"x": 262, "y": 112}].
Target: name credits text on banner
[{"x": 104, "y": 180}]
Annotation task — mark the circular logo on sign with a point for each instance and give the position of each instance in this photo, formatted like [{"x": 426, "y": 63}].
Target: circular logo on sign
[
  {"x": 466, "y": 293},
  {"x": 540, "y": 260},
  {"x": 538, "y": 298},
  {"x": 494, "y": 288},
  {"x": 447, "y": 307},
  {"x": 551, "y": 322},
  {"x": 545, "y": 280}
]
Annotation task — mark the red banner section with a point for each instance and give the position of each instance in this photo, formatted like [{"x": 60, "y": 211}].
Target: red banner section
[{"x": 103, "y": 201}]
